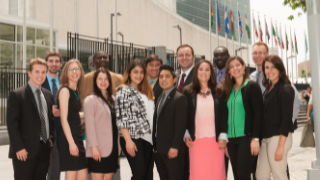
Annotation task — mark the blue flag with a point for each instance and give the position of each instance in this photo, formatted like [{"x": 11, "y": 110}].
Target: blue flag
[
  {"x": 218, "y": 17},
  {"x": 240, "y": 24},
  {"x": 226, "y": 21}
]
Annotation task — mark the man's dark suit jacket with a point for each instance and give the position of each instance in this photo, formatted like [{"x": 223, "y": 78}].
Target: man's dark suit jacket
[
  {"x": 220, "y": 113},
  {"x": 23, "y": 121},
  {"x": 157, "y": 90},
  {"x": 171, "y": 123},
  {"x": 57, "y": 122},
  {"x": 188, "y": 80}
]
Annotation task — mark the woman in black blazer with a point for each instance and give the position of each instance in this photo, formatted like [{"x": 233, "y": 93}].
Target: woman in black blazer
[
  {"x": 244, "y": 102},
  {"x": 277, "y": 126},
  {"x": 206, "y": 134}
]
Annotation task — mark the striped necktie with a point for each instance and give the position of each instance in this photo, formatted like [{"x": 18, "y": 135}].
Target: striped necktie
[
  {"x": 43, "y": 134},
  {"x": 181, "y": 82},
  {"x": 54, "y": 90}
]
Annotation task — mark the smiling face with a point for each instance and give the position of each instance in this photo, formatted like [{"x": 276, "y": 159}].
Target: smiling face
[
  {"x": 37, "y": 75},
  {"x": 102, "y": 82},
  {"x": 54, "y": 64},
  {"x": 272, "y": 72},
  {"x": 259, "y": 52},
  {"x": 136, "y": 75},
  {"x": 74, "y": 72},
  {"x": 204, "y": 73},
  {"x": 185, "y": 58},
  {"x": 220, "y": 57},
  {"x": 236, "y": 69},
  {"x": 153, "y": 69},
  {"x": 166, "y": 80}
]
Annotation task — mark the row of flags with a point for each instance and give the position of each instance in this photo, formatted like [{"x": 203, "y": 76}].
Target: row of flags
[{"x": 257, "y": 32}]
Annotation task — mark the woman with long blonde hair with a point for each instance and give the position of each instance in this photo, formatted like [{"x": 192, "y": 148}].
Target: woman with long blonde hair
[
  {"x": 70, "y": 143},
  {"x": 134, "y": 114}
]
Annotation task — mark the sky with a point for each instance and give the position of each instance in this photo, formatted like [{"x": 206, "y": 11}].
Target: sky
[{"x": 275, "y": 10}]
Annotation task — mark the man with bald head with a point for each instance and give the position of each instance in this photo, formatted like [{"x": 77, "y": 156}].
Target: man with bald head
[
  {"x": 100, "y": 59},
  {"x": 220, "y": 57}
]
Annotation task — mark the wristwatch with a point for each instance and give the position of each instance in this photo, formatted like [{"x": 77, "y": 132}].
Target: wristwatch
[{"x": 255, "y": 139}]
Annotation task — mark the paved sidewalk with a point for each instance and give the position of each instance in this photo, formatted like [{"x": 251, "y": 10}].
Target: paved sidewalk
[{"x": 299, "y": 161}]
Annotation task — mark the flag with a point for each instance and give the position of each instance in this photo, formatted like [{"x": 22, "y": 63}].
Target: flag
[
  {"x": 226, "y": 21},
  {"x": 247, "y": 26},
  {"x": 260, "y": 29},
  {"x": 292, "y": 46},
  {"x": 218, "y": 17},
  {"x": 240, "y": 24},
  {"x": 306, "y": 42},
  {"x": 231, "y": 22},
  {"x": 287, "y": 41},
  {"x": 274, "y": 35},
  {"x": 278, "y": 37},
  {"x": 295, "y": 41},
  {"x": 267, "y": 32},
  {"x": 211, "y": 17},
  {"x": 255, "y": 28},
  {"x": 282, "y": 44}
]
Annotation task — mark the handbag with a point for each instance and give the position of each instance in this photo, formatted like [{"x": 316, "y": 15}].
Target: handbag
[
  {"x": 307, "y": 138},
  {"x": 311, "y": 116}
]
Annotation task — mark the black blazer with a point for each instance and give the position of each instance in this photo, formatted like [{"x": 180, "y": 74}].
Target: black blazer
[
  {"x": 253, "y": 105},
  {"x": 277, "y": 111},
  {"x": 171, "y": 123},
  {"x": 23, "y": 121},
  {"x": 157, "y": 90},
  {"x": 220, "y": 113},
  {"x": 57, "y": 122},
  {"x": 189, "y": 78}
]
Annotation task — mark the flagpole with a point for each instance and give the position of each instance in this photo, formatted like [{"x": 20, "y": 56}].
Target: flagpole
[
  {"x": 265, "y": 33},
  {"x": 259, "y": 32},
  {"x": 306, "y": 44},
  {"x": 291, "y": 57},
  {"x": 281, "y": 42},
  {"x": 285, "y": 30},
  {"x": 210, "y": 7},
  {"x": 239, "y": 29},
  {"x": 225, "y": 5},
  {"x": 245, "y": 10},
  {"x": 295, "y": 37},
  {"x": 276, "y": 27},
  {"x": 217, "y": 30},
  {"x": 271, "y": 34},
  {"x": 254, "y": 37},
  {"x": 233, "y": 28}
]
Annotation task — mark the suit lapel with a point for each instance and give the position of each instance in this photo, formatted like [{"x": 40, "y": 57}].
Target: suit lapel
[
  {"x": 46, "y": 96},
  {"x": 194, "y": 100},
  {"x": 170, "y": 96},
  {"x": 272, "y": 93},
  {"x": 189, "y": 79},
  {"x": 31, "y": 97}
]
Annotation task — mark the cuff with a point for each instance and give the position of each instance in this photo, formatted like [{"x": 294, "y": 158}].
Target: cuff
[
  {"x": 223, "y": 136},
  {"x": 186, "y": 134}
]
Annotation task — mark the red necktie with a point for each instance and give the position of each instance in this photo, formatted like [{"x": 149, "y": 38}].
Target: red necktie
[{"x": 181, "y": 82}]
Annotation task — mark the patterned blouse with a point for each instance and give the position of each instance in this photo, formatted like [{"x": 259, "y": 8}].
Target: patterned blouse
[{"x": 131, "y": 112}]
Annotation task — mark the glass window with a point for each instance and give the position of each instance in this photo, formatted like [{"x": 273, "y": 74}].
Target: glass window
[
  {"x": 19, "y": 56},
  {"x": 7, "y": 54},
  {"x": 43, "y": 37},
  {"x": 7, "y": 32},
  {"x": 30, "y": 35},
  {"x": 42, "y": 51},
  {"x": 30, "y": 54},
  {"x": 19, "y": 33}
]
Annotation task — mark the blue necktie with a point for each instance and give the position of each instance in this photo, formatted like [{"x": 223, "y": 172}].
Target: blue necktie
[
  {"x": 150, "y": 81},
  {"x": 54, "y": 90}
]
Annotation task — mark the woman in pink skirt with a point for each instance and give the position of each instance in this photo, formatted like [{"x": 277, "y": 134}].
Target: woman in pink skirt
[{"x": 206, "y": 133}]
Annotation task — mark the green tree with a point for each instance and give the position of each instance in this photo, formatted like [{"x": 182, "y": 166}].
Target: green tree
[
  {"x": 303, "y": 73},
  {"x": 296, "y": 5}
]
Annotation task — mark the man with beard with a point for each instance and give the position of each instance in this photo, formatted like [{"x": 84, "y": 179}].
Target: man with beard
[
  {"x": 220, "y": 57},
  {"x": 100, "y": 59},
  {"x": 52, "y": 83}
]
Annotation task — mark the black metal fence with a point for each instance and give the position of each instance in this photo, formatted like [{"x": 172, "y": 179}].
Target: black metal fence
[
  {"x": 83, "y": 47},
  {"x": 10, "y": 79}
]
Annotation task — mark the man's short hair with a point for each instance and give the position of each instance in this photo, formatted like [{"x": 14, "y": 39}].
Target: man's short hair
[
  {"x": 168, "y": 68},
  {"x": 53, "y": 53},
  {"x": 37, "y": 61},
  {"x": 186, "y": 45},
  {"x": 261, "y": 44},
  {"x": 151, "y": 58}
]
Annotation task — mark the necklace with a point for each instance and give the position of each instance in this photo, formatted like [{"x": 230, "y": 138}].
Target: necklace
[
  {"x": 205, "y": 94},
  {"x": 76, "y": 94}
]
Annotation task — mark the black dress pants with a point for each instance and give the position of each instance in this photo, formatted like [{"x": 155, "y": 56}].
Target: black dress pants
[
  {"x": 35, "y": 168},
  {"x": 139, "y": 164},
  {"x": 240, "y": 156}
]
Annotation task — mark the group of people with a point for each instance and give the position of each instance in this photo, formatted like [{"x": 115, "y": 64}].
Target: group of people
[{"x": 188, "y": 124}]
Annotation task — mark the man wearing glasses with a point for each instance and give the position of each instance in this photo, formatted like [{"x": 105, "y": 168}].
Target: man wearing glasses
[{"x": 260, "y": 51}]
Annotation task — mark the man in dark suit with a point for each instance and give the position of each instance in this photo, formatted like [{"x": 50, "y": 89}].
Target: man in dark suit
[
  {"x": 220, "y": 57},
  {"x": 52, "y": 83},
  {"x": 186, "y": 58},
  {"x": 153, "y": 63},
  {"x": 169, "y": 126},
  {"x": 30, "y": 125}
]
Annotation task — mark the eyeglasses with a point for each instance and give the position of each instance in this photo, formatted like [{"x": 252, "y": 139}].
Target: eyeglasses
[
  {"x": 260, "y": 53},
  {"x": 74, "y": 70}
]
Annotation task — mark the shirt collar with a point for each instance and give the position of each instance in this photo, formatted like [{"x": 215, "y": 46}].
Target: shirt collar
[
  {"x": 187, "y": 72},
  {"x": 167, "y": 92},
  {"x": 33, "y": 88},
  {"x": 50, "y": 78},
  {"x": 221, "y": 70}
]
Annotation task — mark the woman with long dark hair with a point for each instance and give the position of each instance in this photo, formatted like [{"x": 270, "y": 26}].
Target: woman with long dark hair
[
  {"x": 207, "y": 112},
  {"x": 277, "y": 125},
  {"x": 134, "y": 113},
  {"x": 244, "y": 102},
  {"x": 101, "y": 128},
  {"x": 70, "y": 143}
]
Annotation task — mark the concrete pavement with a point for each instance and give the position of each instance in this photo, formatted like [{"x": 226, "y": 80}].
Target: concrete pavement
[{"x": 299, "y": 161}]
